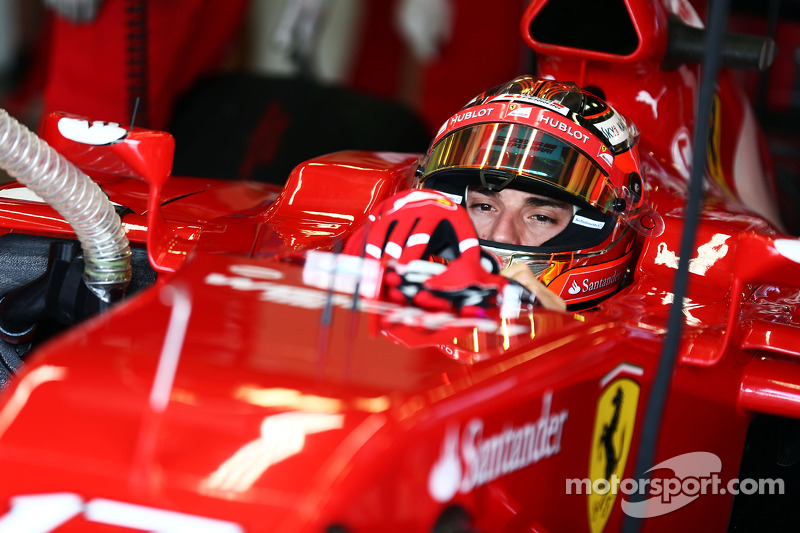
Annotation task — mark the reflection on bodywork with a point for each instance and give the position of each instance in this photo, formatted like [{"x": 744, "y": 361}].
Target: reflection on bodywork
[
  {"x": 707, "y": 255},
  {"x": 282, "y": 436},
  {"x": 294, "y": 399}
]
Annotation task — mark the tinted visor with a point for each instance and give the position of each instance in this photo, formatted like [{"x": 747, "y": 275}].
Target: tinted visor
[{"x": 531, "y": 154}]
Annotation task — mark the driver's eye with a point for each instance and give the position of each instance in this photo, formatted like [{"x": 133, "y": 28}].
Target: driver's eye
[
  {"x": 481, "y": 206},
  {"x": 543, "y": 218}
]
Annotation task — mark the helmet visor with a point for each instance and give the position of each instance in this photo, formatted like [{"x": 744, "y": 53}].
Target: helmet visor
[{"x": 531, "y": 154}]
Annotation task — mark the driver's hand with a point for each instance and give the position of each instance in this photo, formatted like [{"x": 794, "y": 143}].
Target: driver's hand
[
  {"x": 522, "y": 274},
  {"x": 410, "y": 228}
]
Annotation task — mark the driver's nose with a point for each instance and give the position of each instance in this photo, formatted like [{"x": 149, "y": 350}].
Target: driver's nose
[{"x": 506, "y": 229}]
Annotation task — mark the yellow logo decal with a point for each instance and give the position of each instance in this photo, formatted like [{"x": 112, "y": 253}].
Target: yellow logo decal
[
  {"x": 714, "y": 146},
  {"x": 611, "y": 442}
]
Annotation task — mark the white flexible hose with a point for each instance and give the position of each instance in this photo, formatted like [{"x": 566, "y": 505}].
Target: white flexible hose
[{"x": 37, "y": 165}]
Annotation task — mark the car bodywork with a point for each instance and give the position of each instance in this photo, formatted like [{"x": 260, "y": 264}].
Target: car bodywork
[{"x": 247, "y": 385}]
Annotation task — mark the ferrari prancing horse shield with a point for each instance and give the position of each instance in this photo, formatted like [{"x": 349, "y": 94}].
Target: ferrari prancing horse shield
[{"x": 611, "y": 442}]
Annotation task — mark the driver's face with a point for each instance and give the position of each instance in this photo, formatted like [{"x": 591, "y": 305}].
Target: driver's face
[{"x": 516, "y": 217}]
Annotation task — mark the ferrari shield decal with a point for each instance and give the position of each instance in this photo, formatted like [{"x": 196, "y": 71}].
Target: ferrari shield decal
[
  {"x": 516, "y": 110},
  {"x": 605, "y": 155},
  {"x": 611, "y": 442}
]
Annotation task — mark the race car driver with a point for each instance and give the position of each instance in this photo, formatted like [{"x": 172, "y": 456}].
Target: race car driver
[{"x": 549, "y": 177}]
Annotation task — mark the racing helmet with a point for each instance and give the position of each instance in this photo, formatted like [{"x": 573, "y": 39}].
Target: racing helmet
[{"x": 558, "y": 140}]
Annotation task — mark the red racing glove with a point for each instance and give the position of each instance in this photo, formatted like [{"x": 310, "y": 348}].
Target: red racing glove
[{"x": 412, "y": 228}]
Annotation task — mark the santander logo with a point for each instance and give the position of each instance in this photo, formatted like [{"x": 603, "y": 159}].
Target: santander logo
[
  {"x": 575, "y": 288},
  {"x": 471, "y": 457},
  {"x": 591, "y": 282}
]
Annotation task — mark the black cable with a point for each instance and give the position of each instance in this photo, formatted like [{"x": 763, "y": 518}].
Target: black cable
[
  {"x": 326, "y": 316},
  {"x": 651, "y": 426}
]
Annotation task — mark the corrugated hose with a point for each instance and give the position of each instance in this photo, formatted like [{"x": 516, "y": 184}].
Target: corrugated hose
[{"x": 37, "y": 165}]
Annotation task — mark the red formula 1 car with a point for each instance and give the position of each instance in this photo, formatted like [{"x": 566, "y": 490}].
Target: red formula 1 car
[{"x": 253, "y": 379}]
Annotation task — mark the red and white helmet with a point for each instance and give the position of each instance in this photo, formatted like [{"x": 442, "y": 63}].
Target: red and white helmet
[{"x": 554, "y": 139}]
